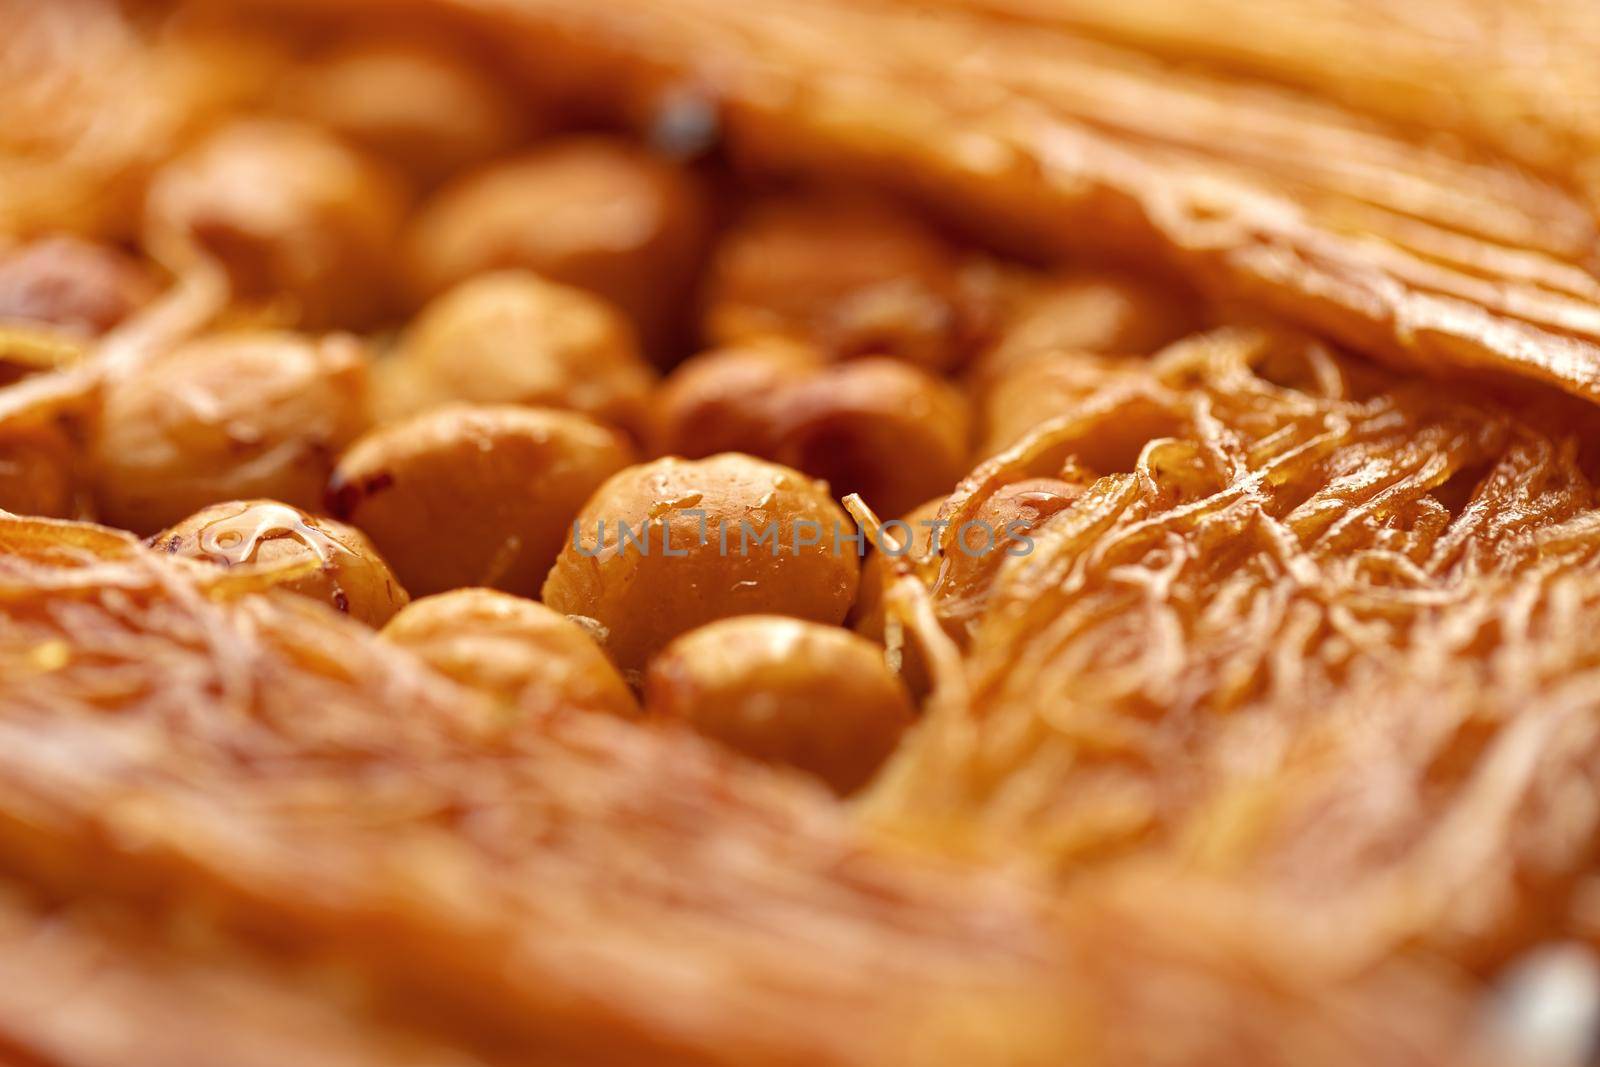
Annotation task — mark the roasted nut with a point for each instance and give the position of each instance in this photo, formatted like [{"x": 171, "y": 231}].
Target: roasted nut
[
  {"x": 514, "y": 649},
  {"x": 1082, "y": 312},
  {"x": 230, "y": 417},
  {"x": 878, "y": 427},
  {"x": 784, "y": 691},
  {"x": 592, "y": 212},
  {"x": 37, "y": 472},
  {"x": 349, "y": 576},
  {"x": 419, "y": 105},
  {"x": 725, "y": 400},
  {"x": 471, "y": 495},
  {"x": 71, "y": 284},
  {"x": 667, "y": 546},
  {"x": 851, "y": 275},
  {"x": 294, "y": 215},
  {"x": 511, "y": 337}
]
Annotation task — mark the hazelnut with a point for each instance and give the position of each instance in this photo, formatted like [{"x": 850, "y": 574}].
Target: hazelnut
[
  {"x": 470, "y": 495},
  {"x": 511, "y": 337},
  {"x": 227, "y": 417},
  {"x": 593, "y": 212},
  {"x": 667, "y": 546},
  {"x": 293, "y": 215},
  {"x": 349, "y": 574},
  {"x": 514, "y": 649},
  {"x": 785, "y": 691}
]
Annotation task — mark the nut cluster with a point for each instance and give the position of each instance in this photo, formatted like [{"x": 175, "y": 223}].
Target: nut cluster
[{"x": 594, "y": 405}]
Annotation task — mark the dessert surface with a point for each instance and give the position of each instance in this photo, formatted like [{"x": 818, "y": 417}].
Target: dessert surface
[{"x": 902, "y": 532}]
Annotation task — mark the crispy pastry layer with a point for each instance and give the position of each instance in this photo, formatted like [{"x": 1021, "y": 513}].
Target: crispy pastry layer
[
  {"x": 575, "y": 886},
  {"x": 1446, "y": 255},
  {"x": 1310, "y": 635}
]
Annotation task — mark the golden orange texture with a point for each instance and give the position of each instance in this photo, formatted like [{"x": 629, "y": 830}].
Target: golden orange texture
[
  {"x": 1446, "y": 255},
  {"x": 1274, "y": 751},
  {"x": 1311, "y": 636},
  {"x": 276, "y": 791}
]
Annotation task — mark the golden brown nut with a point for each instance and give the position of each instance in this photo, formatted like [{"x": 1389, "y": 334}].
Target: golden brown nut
[
  {"x": 294, "y": 215},
  {"x": 511, "y": 337},
  {"x": 515, "y": 649},
  {"x": 667, "y": 546},
  {"x": 592, "y": 212},
  {"x": 230, "y": 417},
  {"x": 785, "y": 691},
  {"x": 471, "y": 495},
  {"x": 877, "y": 426},
  {"x": 350, "y": 576},
  {"x": 852, "y": 275},
  {"x": 37, "y": 472},
  {"x": 724, "y": 400},
  {"x": 71, "y": 284},
  {"x": 425, "y": 108}
]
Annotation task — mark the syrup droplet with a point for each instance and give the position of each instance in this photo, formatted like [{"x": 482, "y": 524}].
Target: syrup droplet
[{"x": 234, "y": 539}]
